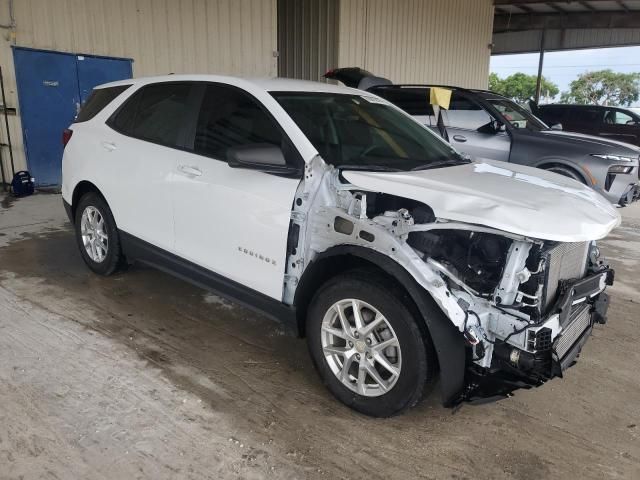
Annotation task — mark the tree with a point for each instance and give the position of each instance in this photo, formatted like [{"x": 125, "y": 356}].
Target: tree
[
  {"x": 520, "y": 87},
  {"x": 604, "y": 87},
  {"x": 494, "y": 82}
]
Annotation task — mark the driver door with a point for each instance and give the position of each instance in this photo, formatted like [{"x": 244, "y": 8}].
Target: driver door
[
  {"x": 233, "y": 221},
  {"x": 470, "y": 131}
]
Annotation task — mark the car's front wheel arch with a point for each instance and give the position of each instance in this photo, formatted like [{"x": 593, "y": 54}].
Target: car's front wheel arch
[
  {"x": 446, "y": 339},
  {"x": 566, "y": 170}
]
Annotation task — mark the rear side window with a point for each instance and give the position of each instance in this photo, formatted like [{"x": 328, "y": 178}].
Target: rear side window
[
  {"x": 156, "y": 113},
  {"x": 99, "y": 98},
  {"x": 231, "y": 118},
  {"x": 553, "y": 115},
  {"x": 414, "y": 101}
]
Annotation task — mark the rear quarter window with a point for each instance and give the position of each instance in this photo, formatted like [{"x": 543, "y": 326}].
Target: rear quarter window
[
  {"x": 99, "y": 98},
  {"x": 155, "y": 113}
]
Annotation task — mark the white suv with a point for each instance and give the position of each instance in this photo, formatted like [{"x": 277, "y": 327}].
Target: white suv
[{"x": 395, "y": 256}]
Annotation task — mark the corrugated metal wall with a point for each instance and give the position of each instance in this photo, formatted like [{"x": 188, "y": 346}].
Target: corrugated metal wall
[
  {"x": 529, "y": 40},
  {"x": 161, "y": 36},
  {"x": 307, "y": 38},
  {"x": 440, "y": 41},
  {"x": 418, "y": 40}
]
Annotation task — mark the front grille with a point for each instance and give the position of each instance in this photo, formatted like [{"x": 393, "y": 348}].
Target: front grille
[
  {"x": 578, "y": 323},
  {"x": 565, "y": 261}
]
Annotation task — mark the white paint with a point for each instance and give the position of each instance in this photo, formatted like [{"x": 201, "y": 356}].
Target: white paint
[{"x": 513, "y": 198}]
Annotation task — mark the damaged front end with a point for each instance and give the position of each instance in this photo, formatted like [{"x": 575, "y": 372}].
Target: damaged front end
[{"x": 524, "y": 306}]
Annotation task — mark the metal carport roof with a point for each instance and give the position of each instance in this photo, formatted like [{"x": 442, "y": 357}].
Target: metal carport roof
[{"x": 568, "y": 24}]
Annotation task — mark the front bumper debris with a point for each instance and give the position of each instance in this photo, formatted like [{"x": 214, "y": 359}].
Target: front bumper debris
[
  {"x": 630, "y": 195},
  {"x": 581, "y": 304}
]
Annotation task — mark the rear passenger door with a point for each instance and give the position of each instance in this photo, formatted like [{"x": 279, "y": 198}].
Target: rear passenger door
[
  {"x": 139, "y": 156},
  {"x": 233, "y": 221},
  {"x": 470, "y": 130}
]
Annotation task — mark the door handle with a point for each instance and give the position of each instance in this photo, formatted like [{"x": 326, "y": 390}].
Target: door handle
[
  {"x": 109, "y": 146},
  {"x": 460, "y": 138},
  {"x": 189, "y": 170}
]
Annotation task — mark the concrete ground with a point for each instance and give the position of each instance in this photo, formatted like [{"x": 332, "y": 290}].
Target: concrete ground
[{"x": 141, "y": 375}]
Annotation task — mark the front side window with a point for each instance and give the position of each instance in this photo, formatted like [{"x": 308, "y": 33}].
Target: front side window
[
  {"x": 364, "y": 132},
  {"x": 156, "y": 113},
  {"x": 231, "y": 118},
  {"x": 467, "y": 115},
  {"x": 517, "y": 116},
  {"x": 616, "y": 117}
]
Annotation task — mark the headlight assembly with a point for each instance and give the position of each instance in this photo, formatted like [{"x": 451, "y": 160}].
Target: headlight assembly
[
  {"x": 620, "y": 169},
  {"x": 613, "y": 158}
]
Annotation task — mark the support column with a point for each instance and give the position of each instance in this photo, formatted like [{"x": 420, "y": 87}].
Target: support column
[{"x": 540, "y": 63}]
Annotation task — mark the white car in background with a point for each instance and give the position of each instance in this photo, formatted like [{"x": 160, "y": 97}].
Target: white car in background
[{"x": 329, "y": 206}]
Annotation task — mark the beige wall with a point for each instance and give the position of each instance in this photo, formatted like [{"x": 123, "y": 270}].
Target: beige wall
[
  {"x": 410, "y": 41},
  {"x": 161, "y": 36},
  {"x": 440, "y": 41}
]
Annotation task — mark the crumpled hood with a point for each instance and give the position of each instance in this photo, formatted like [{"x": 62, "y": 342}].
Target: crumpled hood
[{"x": 514, "y": 198}]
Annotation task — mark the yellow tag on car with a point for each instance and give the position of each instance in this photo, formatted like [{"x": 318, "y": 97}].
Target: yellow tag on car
[{"x": 440, "y": 97}]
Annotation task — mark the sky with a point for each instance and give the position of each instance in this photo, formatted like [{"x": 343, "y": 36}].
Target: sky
[{"x": 563, "y": 67}]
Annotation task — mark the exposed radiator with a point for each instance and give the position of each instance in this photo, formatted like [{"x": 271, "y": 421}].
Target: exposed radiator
[
  {"x": 565, "y": 261},
  {"x": 579, "y": 322}
]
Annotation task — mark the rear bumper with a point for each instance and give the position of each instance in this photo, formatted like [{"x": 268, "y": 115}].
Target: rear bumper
[{"x": 582, "y": 304}]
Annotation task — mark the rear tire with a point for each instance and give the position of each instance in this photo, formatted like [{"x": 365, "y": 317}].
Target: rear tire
[
  {"x": 357, "y": 358},
  {"x": 97, "y": 235}
]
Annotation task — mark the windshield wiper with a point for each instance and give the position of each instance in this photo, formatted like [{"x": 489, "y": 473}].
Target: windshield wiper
[
  {"x": 441, "y": 163},
  {"x": 373, "y": 168}
]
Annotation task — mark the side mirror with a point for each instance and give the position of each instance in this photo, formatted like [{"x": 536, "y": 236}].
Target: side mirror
[
  {"x": 499, "y": 127},
  {"x": 556, "y": 126},
  {"x": 633, "y": 122},
  {"x": 263, "y": 157}
]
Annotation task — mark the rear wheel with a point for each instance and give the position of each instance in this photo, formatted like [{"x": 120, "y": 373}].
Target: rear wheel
[
  {"x": 366, "y": 345},
  {"x": 97, "y": 235}
]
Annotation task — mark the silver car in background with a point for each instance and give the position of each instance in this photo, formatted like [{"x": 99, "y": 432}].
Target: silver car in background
[{"x": 488, "y": 126}]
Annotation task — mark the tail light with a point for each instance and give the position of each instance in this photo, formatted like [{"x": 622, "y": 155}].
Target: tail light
[{"x": 66, "y": 136}]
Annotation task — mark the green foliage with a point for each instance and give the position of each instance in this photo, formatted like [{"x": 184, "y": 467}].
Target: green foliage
[
  {"x": 604, "y": 87},
  {"x": 520, "y": 87}
]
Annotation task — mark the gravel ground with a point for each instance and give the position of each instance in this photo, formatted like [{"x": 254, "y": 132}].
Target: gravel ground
[{"x": 141, "y": 375}]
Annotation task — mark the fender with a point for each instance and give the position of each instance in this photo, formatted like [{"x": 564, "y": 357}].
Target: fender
[{"x": 447, "y": 340}]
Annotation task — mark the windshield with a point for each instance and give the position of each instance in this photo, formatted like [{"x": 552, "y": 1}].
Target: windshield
[
  {"x": 517, "y": 116},
  {"x": 364, "y": 132}
]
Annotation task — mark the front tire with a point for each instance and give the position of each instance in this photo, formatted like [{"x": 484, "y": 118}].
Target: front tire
[
  {"x": 566, "y": 172},
  {"x": 97, "y": 235},
  {"x": 365, "y": 343}
]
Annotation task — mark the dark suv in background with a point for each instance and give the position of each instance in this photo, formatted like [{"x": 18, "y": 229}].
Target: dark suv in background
[
  {"x": 617, "y": 123},
  {"x": 488, "y": 126}
]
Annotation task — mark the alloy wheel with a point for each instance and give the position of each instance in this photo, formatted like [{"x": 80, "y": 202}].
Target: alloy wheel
[
  {"x": 94, "y": 234},
  {"x": 360, "y": 347}
]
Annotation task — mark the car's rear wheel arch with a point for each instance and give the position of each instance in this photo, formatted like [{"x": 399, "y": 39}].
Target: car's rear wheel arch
[
  {"x": 81, "y": 189},
  {"x": 434, "y": 325}
]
